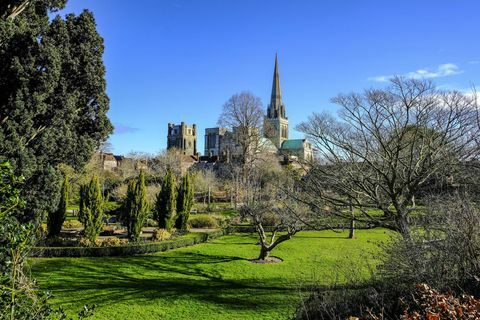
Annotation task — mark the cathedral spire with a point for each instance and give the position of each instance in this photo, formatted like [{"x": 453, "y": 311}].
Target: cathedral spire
[{"x": 276, "y": 108}]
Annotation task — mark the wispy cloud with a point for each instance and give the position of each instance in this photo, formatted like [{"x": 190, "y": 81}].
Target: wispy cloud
[
  {"x": 122, "y": 129},
  {"x": 474, "y": 62},
  {"x": 443, "y": 70}
]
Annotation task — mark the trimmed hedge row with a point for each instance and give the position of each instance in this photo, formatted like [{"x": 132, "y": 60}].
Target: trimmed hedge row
[{"x": 131, "y": 249}]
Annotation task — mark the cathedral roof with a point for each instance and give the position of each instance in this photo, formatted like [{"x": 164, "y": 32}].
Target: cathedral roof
[
  {"x": 293, "y": 144},
  {"x": 276, "y": 98}
]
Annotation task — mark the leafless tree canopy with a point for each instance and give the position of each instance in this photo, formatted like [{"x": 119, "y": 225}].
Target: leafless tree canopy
[
  {"x": 385, "y": 144},
  {"x": 243, "y": 115}
]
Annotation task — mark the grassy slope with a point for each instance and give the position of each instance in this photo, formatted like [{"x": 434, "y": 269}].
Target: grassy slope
[{"x": 208, "y": 281}]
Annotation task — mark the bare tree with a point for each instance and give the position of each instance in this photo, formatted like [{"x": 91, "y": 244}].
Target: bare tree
[
  {"x": 384, "y": 146},
  {"x": 267, "y": 205},
  {"x": 243, "y": 115}
]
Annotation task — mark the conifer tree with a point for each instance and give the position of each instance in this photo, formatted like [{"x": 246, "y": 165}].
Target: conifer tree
[
  {"x": 53, "y": 101},
  {"x": 184, "y": 202},
  {"x": 57, "y": 217},
  {"x": 166, "y": 202},
  {"x": 135, "y": 207},
  {"x": 91, "y": 209}
]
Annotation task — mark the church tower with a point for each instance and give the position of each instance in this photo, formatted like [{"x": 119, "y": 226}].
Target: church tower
[{"x": 276, "y": 123}]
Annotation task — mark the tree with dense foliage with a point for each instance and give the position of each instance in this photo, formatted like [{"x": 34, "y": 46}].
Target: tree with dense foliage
[
  {"x": 53, "y": 102},
  {"x": 184, "y": 202},
  {"x": 91, "y": 209},
  {"x": 384, "y": 148},
  {"x": 165, "y": 203},
  {"x": 135, "y": 207},
  {"x": 57, "y": 217}
]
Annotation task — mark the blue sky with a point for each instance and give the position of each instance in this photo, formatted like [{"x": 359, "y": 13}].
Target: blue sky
[{"x": 180, "y": 60}]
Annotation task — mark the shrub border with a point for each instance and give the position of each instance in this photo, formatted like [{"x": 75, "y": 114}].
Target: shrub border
[{"x": 126, "y": 250}]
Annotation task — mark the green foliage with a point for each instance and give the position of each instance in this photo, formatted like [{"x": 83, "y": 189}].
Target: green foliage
[
  {"x": 166, "y": 202},
  {"x": 9, "y": 191},
  {"x": 91, "y": 209},
  {"x": 185, "y": 200},
  {"x": 53, "y": 100},
  {"x": 203, "y": 221},
  {"x": 57, "y": 217},
  {"x": 135, "y": 207}
]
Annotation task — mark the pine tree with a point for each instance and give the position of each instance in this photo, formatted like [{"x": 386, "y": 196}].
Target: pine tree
[
  {"x": 135, "y": 207},
  {"x": 57, "y": 217},
  {"x": 91, "y": 209},
  {"x": 166, "y": 202},
  {"x": 184, "y": 202}
]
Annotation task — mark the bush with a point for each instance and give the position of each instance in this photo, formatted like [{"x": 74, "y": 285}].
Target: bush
[
  {"x": 161, "y": 235},
  {"x": 72, "y": 224},
  {"x": 111, "y": 242},
  {"x": 108, "y": 230},
  {"x": 445, "y": 254},
  {"x": 202, "y": 222}
]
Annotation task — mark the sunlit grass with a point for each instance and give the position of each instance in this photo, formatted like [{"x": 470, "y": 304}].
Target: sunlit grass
[{"x": 208, "y": 281}]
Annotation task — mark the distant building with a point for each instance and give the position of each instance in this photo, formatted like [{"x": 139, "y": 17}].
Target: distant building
[
  {"x": 214, "y": 141},
  {"x": 111, "y": 162},
  {"x": 276, "y": 122},
  {"x": 276, "y": 126},
  {"x": 297, "y": 148},
  {"x": 222, "y": 145},
  {"x": 183, "y": 137}
]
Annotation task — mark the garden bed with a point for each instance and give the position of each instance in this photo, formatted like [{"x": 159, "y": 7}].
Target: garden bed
[{"x": 126, "y": 250}]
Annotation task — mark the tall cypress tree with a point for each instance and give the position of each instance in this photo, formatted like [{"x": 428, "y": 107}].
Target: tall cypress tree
[
  {"x": 166, "y": 202},
  {"x": 135, "y": 207},
  {"x": 184, "y": 202},
  {"x": 57, "y": 217},
  {"x": 91, "y": 209}
]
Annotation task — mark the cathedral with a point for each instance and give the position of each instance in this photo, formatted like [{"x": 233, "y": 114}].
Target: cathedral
[
  {"x": 276, "y": 125},
  {"x": 218, "y": 141}
]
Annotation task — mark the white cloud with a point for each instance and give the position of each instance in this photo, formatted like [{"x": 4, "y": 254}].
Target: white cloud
[
  {"x": 443, "y": 70},
  {"x": 474, "y": 62}
]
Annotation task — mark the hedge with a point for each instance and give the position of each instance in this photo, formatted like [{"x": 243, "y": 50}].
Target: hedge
[{"x": 126, "y": 250}]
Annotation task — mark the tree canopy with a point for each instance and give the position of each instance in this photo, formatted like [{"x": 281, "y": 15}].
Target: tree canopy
[{"x": 53, "y": 102}]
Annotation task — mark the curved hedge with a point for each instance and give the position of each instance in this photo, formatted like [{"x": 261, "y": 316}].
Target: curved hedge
[{"x": 131, "y": 249}]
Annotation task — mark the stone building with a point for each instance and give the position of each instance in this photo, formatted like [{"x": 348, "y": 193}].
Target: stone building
[
  {"x": 215, "y": 140},
  {"x": 297, "y": 149},
  {"x": 276, "y": 121},
  {"x": 276, "y": 126},
  {"x": 183, "y": 137}
]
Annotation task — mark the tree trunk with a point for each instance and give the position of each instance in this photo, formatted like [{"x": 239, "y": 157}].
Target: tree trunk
[
  {"x": 351, "y": 235},
  {"x": 264, "y": 253}
]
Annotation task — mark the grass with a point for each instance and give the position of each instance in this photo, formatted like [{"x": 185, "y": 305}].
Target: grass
[{"x": 213, "y": 280}]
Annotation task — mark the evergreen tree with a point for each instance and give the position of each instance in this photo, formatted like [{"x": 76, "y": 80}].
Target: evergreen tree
[
  {"x": 91, "y": 209},
  {"x": 184, "y": 202},
  {"x": 165, "y": 202},
  {"x": 57, "y": 217},
  {"x": 53, "y": 102},
  {"x": 135, "y": 207}
]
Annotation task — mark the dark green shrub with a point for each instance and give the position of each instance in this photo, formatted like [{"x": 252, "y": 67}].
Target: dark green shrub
[
  {"x": 185, "y": 200},
  {"x": 91, "y": 209},
  {"x": 135, "y": 206},
  {"x": 56, "y": 218},
  {"x": 166, "y": 202}
]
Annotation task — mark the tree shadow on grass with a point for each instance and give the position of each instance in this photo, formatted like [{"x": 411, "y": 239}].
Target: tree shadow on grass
[{"x": 146, "y": 278}]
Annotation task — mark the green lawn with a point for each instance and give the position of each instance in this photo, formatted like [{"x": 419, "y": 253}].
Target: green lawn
[{"x": 213, "y": 280}]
